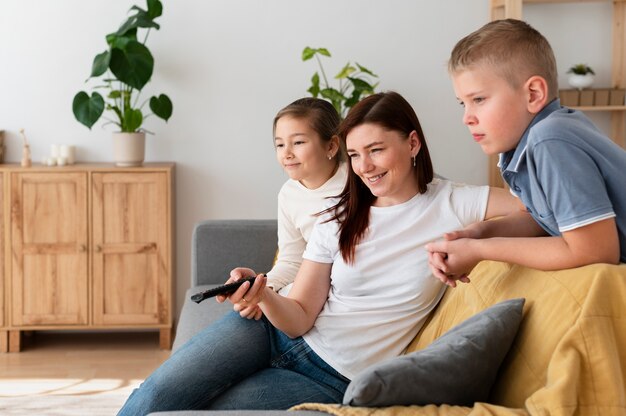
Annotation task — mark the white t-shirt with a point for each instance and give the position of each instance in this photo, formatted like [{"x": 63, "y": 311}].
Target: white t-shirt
[
  {"x": 297, "y": 206},
  {"x": 377, "y": 305}
]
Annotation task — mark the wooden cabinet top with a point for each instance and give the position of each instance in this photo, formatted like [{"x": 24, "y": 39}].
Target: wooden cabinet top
[{"x": 93, "y": 167}]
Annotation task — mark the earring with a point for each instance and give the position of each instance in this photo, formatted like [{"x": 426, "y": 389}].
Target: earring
[
  {"x": 414, "y": 163},
  {"x": 330, "y": 157}
]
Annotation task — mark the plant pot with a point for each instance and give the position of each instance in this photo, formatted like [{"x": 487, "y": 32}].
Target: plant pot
[
  {"x": 129, "y": 148},
  {"x": 580, "y": 81}
]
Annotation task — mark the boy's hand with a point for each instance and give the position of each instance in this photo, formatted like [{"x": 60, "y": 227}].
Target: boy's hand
[{"x": 452, "y": 260}]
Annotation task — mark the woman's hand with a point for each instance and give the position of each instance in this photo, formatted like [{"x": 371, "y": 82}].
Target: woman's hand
[{"x": 246, "y": 298}]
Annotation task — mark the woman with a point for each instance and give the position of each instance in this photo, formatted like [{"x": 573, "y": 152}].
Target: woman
[{"x": 361, "y": 294}]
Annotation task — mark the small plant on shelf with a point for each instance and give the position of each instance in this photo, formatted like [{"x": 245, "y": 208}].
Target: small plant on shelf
[
  {"x": 580, "y": 69},
  {"x": 355, "y": 82},
  {"x": 580, "y": 76}
]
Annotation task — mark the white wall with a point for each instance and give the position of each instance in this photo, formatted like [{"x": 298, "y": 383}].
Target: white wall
[{"x": 229, "y": 65}]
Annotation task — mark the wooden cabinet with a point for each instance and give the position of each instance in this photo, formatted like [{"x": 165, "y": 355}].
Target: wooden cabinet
[
  {"x": 90, "y": 247},
  {"x": 503, "y": 9}
]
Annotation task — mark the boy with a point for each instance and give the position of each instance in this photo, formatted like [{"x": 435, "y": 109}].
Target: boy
[{"x": 569, "y": 176}]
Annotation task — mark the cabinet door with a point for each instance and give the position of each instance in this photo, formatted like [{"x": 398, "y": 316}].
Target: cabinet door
[
  {"x": 2, "y": 280},
  {"x": 49, "y": 248},
  {"x": 131, "y": 248}
]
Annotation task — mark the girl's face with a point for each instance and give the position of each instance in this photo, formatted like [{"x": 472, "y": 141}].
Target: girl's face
[
  {"x": 383, "y": 160},
  {"x": 302, "y": 153}
]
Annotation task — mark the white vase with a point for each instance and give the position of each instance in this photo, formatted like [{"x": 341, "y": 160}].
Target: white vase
[
  {"x": 580, "y": 81},
  {"x": 129, "y": 148}
]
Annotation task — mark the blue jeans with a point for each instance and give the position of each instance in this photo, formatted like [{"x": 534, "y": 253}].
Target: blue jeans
[{"x": 238, "y": 363}]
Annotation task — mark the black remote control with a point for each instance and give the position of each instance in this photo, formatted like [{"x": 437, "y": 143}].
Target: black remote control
[{"x": 221, "y": 290}]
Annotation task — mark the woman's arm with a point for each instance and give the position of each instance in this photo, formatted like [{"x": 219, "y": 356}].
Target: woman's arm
[
  {"x": 295, "y": 314},
  {"x": 501, "y": 203}
]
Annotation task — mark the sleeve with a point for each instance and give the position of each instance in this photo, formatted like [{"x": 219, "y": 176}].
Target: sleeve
[
  {"x": 291, "y": 245},
  {"x": 323, "y": 244},
  {"x": 572, "y": 187},
  {"x": 469, "y": 202}
]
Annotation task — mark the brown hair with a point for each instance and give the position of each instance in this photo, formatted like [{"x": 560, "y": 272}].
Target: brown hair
[
  {"x": 321, "y": 115},
  {"x": 514, "y": 49},
  {"x": 390, "y": 111}
]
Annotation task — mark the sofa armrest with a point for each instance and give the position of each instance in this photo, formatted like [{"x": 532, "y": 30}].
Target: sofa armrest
[{"x": 218, "y": 246}]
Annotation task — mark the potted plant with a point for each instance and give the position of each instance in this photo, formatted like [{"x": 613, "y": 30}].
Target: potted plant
[
  {"x": 127, "y": 67},
  {"x": 355, "y": 82},
  {"x": 581, "y": 76}
]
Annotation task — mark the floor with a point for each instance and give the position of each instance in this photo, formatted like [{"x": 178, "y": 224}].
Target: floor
[{"x": 83, "y": 365}]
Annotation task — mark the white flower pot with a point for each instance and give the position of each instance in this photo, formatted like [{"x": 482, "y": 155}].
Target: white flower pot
[
  {"x": 580, "y": 81},
  {"x": 129, "y": 148}
]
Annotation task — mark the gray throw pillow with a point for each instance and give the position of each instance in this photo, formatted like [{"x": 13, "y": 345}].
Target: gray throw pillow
[{"x": 458, "y": 368}]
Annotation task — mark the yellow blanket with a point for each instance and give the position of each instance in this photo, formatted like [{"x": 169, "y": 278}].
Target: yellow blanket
[{"x": 569, "y": 357}]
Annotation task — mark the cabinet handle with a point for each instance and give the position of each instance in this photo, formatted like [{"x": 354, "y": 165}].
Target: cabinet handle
[
  {"x": 98, "y": 248},
  {"x": 82, "y": 248}
]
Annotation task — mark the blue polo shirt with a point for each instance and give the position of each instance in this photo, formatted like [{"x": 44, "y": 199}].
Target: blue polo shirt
[{"x": 568, "y": 173}]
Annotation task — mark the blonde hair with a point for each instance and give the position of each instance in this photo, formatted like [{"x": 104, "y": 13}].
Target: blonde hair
[{"x": 514, "y": 49}]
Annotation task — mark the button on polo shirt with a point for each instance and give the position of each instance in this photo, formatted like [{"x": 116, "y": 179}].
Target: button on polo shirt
[{"x": 568, "y": 173}]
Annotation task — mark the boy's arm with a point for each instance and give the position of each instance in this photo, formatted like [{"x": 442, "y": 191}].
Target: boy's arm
[{"x": 593, "y": 243}]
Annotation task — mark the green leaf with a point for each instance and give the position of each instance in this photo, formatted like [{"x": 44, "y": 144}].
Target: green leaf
[
  {"x": 133, "y": 65},
  {"x": 155, "y": 9},
  {"x": 323, "y": 51},
  {"x": 132, "y": 120},
  {"x": 367, "y": 71},
  {"x": 120, "y": 42},
  {"x": 88, "y": 110},
  {"x": 314, "y": 89},
  {"x": 308, "y": 53},
  {"x": 161, "y": 106},
  {"x": 345, "y": 71},
  {"x": 140, "y": 19},
  {"x": 100, "y": 64},
  {"x": 360, "y": 85},
  {"x": 115, "y": 94},
  {"x": 355, "y": 98},
  {"x": 332, "y": 94}
]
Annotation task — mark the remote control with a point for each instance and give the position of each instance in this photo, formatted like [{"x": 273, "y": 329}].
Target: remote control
[{"x": 221, "y": 290}]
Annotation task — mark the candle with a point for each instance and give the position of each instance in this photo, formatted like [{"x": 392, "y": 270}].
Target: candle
[
  {"x": 67, "y": 151},
  {"x": 54, "y": 150}
]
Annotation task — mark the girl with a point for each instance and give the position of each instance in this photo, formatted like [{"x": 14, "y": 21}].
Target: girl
[{"x": 307, "y": 148}]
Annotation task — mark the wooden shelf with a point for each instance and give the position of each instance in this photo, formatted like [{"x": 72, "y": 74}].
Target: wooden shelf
[{"x": 600, "y": 108}]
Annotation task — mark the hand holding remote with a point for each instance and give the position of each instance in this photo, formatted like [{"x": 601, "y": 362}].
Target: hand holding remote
[{"x": 221, "y": 290}]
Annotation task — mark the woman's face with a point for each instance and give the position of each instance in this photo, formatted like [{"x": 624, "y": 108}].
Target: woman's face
[
  {"x": 383, "y": 160},
  {"x": 302, "y": 153}
]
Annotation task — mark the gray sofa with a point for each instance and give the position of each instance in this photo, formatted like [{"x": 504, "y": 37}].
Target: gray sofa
[{"x": 218, "y": 246}]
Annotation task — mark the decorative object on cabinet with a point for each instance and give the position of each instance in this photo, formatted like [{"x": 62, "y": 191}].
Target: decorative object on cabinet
[
  {"x": 26, "y": 162},
  {"x": 503, "y": 9},
  {"x": 90, "y": 248},
  {"x": 580, "y": 76},
  {"x": 1, "y": 146},
  {"x": 129, "y": 148},
  {"x": 128, "y": 65},
  {"x": 355, "y": 82}
]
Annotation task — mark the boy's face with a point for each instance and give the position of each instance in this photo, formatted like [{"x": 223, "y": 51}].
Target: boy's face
[{"x": 495, "y": 113}]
